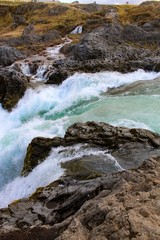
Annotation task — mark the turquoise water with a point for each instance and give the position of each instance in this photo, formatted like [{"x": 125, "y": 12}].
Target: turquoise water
[
  {"x": 49, "y": 111},
  {"x": 130, "y": 111}
]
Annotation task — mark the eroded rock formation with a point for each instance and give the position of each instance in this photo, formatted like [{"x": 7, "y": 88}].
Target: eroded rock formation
[
  {"x": 114, "y": 47},
  {"x": 130, "y": 147},
  {"x": 118, "y": 206}
]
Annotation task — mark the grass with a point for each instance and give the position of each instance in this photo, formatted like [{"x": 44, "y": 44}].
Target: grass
[
  {"x": 62, "y": 22},
  {"x": 138, "y": 14},
  {"x": 74, "y": 16}
]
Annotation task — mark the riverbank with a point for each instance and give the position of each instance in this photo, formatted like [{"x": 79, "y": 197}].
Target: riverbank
[{"x": 80, "y": 141}]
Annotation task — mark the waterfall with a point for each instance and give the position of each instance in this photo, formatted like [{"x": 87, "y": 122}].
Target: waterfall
[{"x": 77, "y": 30}]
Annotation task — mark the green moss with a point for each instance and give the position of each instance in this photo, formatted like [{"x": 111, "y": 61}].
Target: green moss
[{"x": 79, "y": 169}]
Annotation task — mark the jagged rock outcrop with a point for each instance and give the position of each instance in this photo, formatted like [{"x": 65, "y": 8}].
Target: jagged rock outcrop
[
  {"x": 30, "y": 37},
  {"x": 38, "y": 150},
  {"x": 118, "y": 206},
  {"x": 9, "y": 55},
  {"x": 57, "y": 77},
  {"x": 114, "y": 47},
  {"x": 130, "y": 147},
  {"x": 13, "y": 85}
]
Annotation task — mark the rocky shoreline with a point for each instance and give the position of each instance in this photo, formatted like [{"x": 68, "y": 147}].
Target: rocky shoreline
[
  {"x": 108, "y": 46},
  {"x": 122, "y": 205},
  {"x": 113, "y": 194}
]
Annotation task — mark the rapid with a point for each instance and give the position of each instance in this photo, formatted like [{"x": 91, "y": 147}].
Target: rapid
[{"x": 47, "y": 111}]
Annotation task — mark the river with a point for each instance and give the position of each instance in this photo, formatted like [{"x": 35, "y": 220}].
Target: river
[{"x": 48, "y": 111}]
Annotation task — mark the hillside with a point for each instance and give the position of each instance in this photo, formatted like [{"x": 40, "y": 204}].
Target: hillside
[{"x": 14, "y": 16}]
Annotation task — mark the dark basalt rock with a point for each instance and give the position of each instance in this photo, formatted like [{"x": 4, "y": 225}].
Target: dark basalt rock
[
  {"x": 57, "y": 77},
  {"x": 130, "y": 147},
  {"x": 13, "y": 85},
  {"x": 9, "y": 55},
  {"x": 114, "y": 48},
  {"x": 38, "y": 150},
  {"x": 29, "y": 37}
]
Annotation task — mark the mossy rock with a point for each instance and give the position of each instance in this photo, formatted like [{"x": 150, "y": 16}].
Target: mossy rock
[
  {"x": 88, "y": 167},
  {"x": 37, "y": 151}
]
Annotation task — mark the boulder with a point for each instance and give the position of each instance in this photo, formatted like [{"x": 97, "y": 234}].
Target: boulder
[
  {"x": 30, "y": 38},
  {"x": 115, "y": 48},
  {"x": 117, "y": 206},
  {"x": 51, "y": 35},
  {"x": 130, "y": 147},
  {"x": 9, "y": 55},
  {"x": 13, "y": 85},
  {"x": 57, "y": 77},
  {"x": 90, "y": 166},
  {"x": 37, "y": 151}
]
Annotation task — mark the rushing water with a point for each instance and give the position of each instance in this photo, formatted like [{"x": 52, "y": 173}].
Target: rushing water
[{"x": 49, "y": 111}]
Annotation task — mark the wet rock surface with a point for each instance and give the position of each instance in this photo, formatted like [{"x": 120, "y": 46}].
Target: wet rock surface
[
  {"x": 9, "y": 55},
  {"x": 13, "y": 85},
  {"x": 92, "y": 166},
  {"x": 122, "y": 205},
  {"x": 57, "y": 77},
  {"x": 38, "y": 150},
  {"x": 148, "y": 87},
  {"x": 130, "y": 147}
]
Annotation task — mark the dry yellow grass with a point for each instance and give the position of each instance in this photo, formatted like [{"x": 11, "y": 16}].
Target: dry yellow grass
[
  {"x": 138, "y": 14},
  {"x": 72, "y": 17}
]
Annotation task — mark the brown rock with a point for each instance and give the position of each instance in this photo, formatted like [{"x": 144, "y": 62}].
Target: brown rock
[
  {"x": 122, "y": 205},
  {"x": 38, "y": 150},
  {"x": 130, "y": 147}
]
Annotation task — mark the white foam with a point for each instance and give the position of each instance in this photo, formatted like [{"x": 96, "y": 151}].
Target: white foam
[
  {"x": 54, "y": 52},
  {"x": 131, "y": 124},
  {"x": 46, "y": 172},
  {"x": 40, "y": 74},
  {"x": 77, "y": 30},
  {"x": 25, "y": 68},
  {"x": 43, "y": 113}
]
